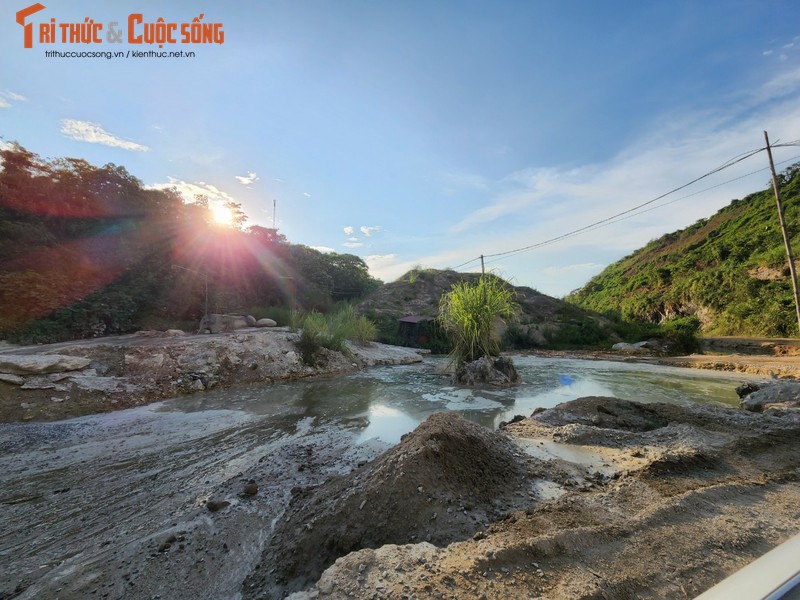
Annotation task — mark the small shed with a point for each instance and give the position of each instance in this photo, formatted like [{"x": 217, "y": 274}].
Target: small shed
[{"x": 414, "y": 330}]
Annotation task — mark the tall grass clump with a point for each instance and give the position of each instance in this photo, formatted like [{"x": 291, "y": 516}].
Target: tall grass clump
[
  {"x": 332, "y": 331},
  {"x": 468, "y": 313}
]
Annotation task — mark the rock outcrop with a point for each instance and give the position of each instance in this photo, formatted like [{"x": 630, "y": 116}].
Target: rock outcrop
[
  {"x": 136, "y": 370},
  {"x": 487, "y": 371},
  {"x": 772, "y": 395},
  {"x": 38, "y": 364}
]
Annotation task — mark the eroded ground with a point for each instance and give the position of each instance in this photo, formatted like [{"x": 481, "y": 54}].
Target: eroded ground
[{"x": 596, "y": 498}]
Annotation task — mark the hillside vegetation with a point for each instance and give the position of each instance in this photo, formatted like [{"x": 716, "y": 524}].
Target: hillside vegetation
[
  {"x": 87, "y": 251},
  {"x": 539, "y": 321},
  {"x": 728, "y": 271}
]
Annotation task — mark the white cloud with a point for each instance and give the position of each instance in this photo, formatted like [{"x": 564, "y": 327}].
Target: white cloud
[
  {"x": 382, "y": 266},
  {"x": 247, "y": 179},
  {"x": 352, "y": 239},
  {"x": 4, "y": 104},
  {"x": 15, "y": 97},
  {"x": 369, "y": 230},
  {"x": 352, "y": 244},
  {"x": 323, "y": 249},
  {"x": 348, "y": 230},
  {"x": 93, "y": 133},
  {"x": 189, "y": 191},
  {"x": 536, "y": 204},
  {"x": 306, "y": 194},
  {"x": 588, "y": 266}
]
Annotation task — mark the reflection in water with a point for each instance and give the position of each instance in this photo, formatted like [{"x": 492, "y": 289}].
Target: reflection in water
[
  {"x": 387, "y": 424},
  {"x": 386, "y": 402}
]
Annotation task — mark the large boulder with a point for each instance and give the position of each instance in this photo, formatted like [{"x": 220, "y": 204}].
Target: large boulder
[
  {"x": 487, "y": 371},
  {"x": 216, "y": 323},
  {"x": 772, "y": 395},
  {"x": 266, "y": 323},
  {"x": 38, "y": 364}
]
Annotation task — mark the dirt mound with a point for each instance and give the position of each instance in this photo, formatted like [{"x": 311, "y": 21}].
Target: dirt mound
[
  {"x": 442, "y": 483},
  {"x": 661, "y": 501}
]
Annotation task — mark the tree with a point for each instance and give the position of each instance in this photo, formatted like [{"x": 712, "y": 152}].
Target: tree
[{"x": 468, "y": 312}]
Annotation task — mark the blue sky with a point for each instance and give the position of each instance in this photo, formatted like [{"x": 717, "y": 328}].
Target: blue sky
[{"x": 428, "y": 133}]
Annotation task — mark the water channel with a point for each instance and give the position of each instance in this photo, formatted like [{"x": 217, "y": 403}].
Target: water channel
[{"x": 388, "y": 402}]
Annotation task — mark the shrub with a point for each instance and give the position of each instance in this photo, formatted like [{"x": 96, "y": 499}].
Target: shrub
[
  {"x": 468, "y": 312},
  {"x": 331, "y": 332}
]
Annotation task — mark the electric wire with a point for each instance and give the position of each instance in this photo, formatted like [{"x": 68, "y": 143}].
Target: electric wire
[
  {"x": 636, "y": 210},
  {"x": 599, "y": 225}
]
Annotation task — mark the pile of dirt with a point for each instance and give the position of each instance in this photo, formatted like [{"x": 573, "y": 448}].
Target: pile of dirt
[
  {"x": 443, "y": 482},
  {"x": 646, "y": 501}
]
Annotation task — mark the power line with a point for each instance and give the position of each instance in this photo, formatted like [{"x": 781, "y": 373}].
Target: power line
[
  {"x": 641, "y": 212},
  {"x": 634, "y": 211},
  {"x": 726, "y": 165}
]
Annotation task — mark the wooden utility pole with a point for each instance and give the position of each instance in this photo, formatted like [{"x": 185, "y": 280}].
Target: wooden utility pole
[
  {"x": 483, "y": 282},
  {"x": 786, "y": 239}
]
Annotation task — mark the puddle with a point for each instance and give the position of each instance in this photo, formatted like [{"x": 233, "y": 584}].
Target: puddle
[{"x": 592, "y": 459}]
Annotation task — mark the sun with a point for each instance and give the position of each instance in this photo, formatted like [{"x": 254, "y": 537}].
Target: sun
[{"x": 222, "y": 215}]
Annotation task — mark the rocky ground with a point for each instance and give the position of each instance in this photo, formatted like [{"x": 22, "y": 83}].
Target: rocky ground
[{"x": 57, "y": 381}]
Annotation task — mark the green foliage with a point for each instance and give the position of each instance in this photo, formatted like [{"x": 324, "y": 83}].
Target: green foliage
[
  {"x": 87, "y": 251},
  {"x": 332, "y": 331},
  {"x": 468, "y": 313},
  {"x": 730, "y": 268},
  {"x": 584, "y": 333}
]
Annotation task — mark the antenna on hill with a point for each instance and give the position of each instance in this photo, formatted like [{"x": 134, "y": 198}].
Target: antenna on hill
[
  {"x": 786, "y": 239},
  {"x": 274, "y": 205}
]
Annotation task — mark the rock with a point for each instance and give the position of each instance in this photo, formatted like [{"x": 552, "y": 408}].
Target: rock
[
  {"x": 217, "y": 505},
  {"x": 746, "y": 389},
  {"x": 266, "y": 323},
  {"x": 38, "y": 364},
  {"x": 41, "y": 383},
  {"x": 14, "y": 379},
  {"x": 486, "y": 370},
  {"x": 144, "y": 360},
  {"x": 174, "y": 332},
  {"x": 250, "y": 489},
  {"x": 104, "y": 384},
  {"x": 625, "y": 347},
  {"x": 782, "y": 394},
  {"x": 197, "y": 385},
  {"x": 216, "y": 323},
  {"x": 250, "y": 320}
]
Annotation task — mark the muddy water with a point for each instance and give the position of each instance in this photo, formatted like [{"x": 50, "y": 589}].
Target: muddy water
[
  {"x": 388, "y": 402},
  {"x": 85, "y": 504}
]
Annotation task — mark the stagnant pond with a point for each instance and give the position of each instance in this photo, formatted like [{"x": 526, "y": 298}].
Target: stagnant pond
[{"x": 387, "y": 402}]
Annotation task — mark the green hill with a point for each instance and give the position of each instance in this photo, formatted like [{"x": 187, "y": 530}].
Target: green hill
[{"x": 729, "y": 271}]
